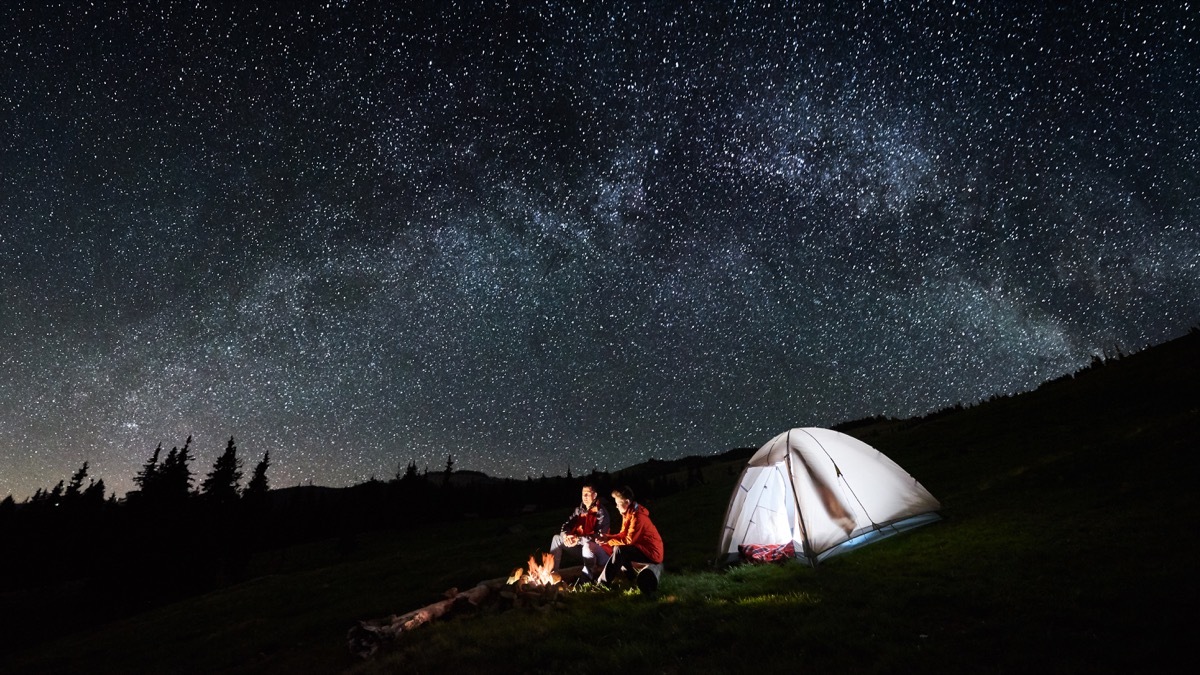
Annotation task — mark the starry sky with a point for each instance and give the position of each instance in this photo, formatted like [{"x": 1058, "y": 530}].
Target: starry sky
[{"x": 540, "y": 234}]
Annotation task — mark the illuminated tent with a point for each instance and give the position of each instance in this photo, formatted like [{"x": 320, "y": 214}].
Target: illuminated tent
[{"x": 814, "y": 493}]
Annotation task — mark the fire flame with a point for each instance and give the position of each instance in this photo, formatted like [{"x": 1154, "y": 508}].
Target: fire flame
[{"x": 543, "y": 574}]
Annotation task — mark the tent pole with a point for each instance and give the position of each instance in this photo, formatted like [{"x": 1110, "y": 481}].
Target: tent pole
[
  {"x": 805, "y": 546},
  {"x": 845, "y": 485}
]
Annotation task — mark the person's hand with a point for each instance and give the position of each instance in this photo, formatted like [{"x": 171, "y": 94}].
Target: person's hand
[{"x": 571, "y": 540}]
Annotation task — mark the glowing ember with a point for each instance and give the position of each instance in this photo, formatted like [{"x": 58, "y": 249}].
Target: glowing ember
[{"x": 543, "y": 574}]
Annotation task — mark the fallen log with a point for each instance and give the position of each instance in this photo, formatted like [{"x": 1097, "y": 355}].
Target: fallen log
[{"x": 368, "y": 636}]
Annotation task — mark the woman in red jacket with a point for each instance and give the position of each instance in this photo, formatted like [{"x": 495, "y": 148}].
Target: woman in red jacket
[{"x": 638, "y": 540}]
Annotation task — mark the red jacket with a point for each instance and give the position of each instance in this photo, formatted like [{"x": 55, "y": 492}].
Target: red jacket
[
  {"x": 639, "y": 532},
  {"x": 591, "y": 522}
]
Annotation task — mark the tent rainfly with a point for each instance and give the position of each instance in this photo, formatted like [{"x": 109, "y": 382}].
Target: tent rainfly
[{"x": 814, "y": 493}]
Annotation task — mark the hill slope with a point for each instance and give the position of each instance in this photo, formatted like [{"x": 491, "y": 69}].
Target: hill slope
[{"x": 1066, "y": 548}]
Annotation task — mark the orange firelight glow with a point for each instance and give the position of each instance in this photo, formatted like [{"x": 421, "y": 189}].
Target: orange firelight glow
[{"x": 543, "y": 574}]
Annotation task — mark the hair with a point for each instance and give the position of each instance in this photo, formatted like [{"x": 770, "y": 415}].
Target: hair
[{"x": 625, "y": 492}]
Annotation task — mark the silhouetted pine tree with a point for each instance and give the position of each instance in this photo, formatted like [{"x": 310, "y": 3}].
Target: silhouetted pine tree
[
  {"x": 221, "y": 484},
  {"x": 147, "y": 478},
  {"x": 55, "y": 496},
  {"x": 410, "y": 472},
  {"x": 75, "y": 487},
  {"x": 94, "y": 494},
  {"x": 256, "y": 490},
  {"x": 175, "y": 475},
  {"x": 165, "y": 470}
]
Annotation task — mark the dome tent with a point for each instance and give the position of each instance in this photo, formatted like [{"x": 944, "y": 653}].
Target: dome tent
[{"x": 814, "y": 493}]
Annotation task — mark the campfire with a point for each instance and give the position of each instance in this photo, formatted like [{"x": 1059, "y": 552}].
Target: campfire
[
  {"x": 539, "y": 585},
  {"x": 537, "y": 575}
]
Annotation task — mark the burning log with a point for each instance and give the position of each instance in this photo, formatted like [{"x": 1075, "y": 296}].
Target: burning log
[
  {"x": 540, "y": 589},
  {"x": 539, "y": 575},
  {"x": 534, "y": 588},
  {"x": 540, "y": 585}
]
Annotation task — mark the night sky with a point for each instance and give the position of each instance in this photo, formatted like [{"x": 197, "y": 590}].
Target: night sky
[{"x": 535, "y": 235}]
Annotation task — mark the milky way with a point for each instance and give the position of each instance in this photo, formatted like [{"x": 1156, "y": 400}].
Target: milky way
[{"x": 536, "y": 236}]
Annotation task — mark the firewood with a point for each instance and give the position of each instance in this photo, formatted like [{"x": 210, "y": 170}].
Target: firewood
[{"x": 368, "y": 636}]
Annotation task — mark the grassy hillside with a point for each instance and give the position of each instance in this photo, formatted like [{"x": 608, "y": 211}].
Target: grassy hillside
[{"x": 1066, "y": 547}]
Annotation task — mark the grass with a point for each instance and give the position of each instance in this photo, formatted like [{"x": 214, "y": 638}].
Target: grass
[{"x": 1066, "y": 547}]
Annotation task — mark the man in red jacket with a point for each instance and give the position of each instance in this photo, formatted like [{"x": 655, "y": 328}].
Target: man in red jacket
[
  {"x": 638, "y": 540},
  {"x": 586, "y": 529}
]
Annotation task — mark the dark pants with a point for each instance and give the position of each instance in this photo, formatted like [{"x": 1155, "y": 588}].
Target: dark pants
[{"x": 621, "y": 562}]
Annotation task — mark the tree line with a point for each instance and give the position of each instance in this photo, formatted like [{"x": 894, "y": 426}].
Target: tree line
[
  {"x": 171, "y": 479},
  {"x": 176, "y": 534},
  {"x": 160, "y": 482}
]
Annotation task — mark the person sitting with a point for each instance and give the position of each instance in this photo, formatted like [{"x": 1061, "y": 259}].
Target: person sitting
[
  {"x": 636, "y": 546},
  {"x": 588, "y": 524}
]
